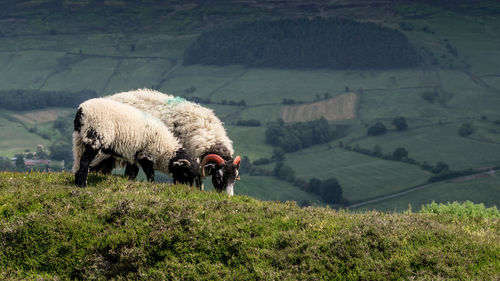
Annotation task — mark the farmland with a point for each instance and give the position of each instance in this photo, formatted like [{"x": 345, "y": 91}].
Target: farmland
[{"x": 464, "y": 87}]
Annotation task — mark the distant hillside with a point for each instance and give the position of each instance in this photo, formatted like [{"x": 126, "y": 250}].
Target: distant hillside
[
  {"x": 116, "y": 229},
  {"x": 318, "y": 43}
]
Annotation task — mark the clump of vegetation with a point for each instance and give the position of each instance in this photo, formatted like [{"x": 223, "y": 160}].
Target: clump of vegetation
[
  {"x": 299, "y": 43},
  {"x": 400, "y": 123},
  {"x": 377, "y": 129},
  {"x": 34, "y": 99},
  {"x": 429, "y": 96},
  {"x": 119, "y": 229},
  {"x": 466, "y": 209},
  {"x": 466, "y": 129},
  {"x": 399, "y": 154},
  {"x": 294, "y": 137},
  {"x": 248, "y": 123}
]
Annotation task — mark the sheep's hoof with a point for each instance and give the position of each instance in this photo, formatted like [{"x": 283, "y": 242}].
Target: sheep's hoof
[{"x": 80, "y": 181}]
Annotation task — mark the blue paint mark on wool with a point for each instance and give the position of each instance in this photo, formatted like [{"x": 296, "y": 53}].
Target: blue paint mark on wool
[
  {"x": 150, "y": 117},
  {"x": 175, "y": 100}
]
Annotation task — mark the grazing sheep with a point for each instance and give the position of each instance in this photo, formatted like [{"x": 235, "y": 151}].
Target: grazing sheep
[
  {"x": 113, "y": 128},
  {"x": 201, "y": 133}
]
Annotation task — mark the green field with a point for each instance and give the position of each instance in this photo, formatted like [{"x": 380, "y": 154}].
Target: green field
[
  {"x": 485, "y": 190},
  {"x": 362, "y": 177},
  {"x": 439, "y": 143},
  {"x": 266, "y": 188},
  {"x": 23, "y": 139},
  {"x": 38, "y": 52}
]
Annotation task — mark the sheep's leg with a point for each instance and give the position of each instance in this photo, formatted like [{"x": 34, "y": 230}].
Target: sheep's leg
[
  {"x": 81, "y": 175},
  {"x": 131, "y": 170},
  {"x": 199, "y": 183},
  {"x": 147, "y": 167}
]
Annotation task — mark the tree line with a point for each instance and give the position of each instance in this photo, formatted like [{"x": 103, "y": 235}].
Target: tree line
[
  {"x": 35, "y": 99},
  {"x": 304, "y": 43},
  {"x": 297, "y": 136}
]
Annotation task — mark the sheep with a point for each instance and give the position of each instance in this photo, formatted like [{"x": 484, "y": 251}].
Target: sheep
[
  {"x": 113, "y": 128},
  {"x": 201, "y": 133}
]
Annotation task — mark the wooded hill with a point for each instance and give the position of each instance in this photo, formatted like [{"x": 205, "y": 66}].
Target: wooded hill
[{"x": 303, "y": 43}]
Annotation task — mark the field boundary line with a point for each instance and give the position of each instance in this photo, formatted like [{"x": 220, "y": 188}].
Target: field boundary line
[
  {"x": 227, "y": 83},
  {"x": 419, "y": 187}
]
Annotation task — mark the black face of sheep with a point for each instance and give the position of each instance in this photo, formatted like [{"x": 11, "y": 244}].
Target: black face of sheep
[
  {"x": 185, "y": 170},
  {"x": 224, "y": 173}
]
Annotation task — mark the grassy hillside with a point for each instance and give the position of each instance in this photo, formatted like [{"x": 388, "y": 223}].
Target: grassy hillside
[{"x": 116, "y": 229}]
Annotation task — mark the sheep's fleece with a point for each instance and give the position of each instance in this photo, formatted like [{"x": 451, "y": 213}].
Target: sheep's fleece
[
  {"x": 197, "y": 127},
  {"x": 125, "y": 130}
]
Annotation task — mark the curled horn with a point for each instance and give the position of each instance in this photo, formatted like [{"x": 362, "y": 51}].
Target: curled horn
[
  {"x": 184, "y": 161},
  {"x": 237, "y": 160},
  {"x": 210, "y": 158}
]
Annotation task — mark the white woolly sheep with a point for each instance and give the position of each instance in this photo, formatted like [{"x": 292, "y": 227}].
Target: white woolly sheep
[
  {"x": 201, "y": 133},
  {"x": 113, "y": 128}
]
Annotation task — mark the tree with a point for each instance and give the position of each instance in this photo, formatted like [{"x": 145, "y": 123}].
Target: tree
[
  {"x": 377, "y": 129},
  {"x": 248, "y": 123},
  {"x": 283, "y": 172},
  {"x": 20, "y": 162},
  {"x": 6, "y": 164},
  {"x": 331, "y": 191},
  {"x": 299, "y": 43},
  {"x": 61, "y": 151},
  {"x": 466, "y": 130},
  {"x": 377, "y": 150},
  {"x": 440, "y": 167},
  {"x": 293, "y": 137},
  {"x": 399, "y": 154},
  {"x": 261, "y": 161},
  {"x": 278, "y": 154},
  {"x": 429, "y": 96},
  {"x": 42, "y": 155},
  {"x": 400, "y": 123},
  {"x": 314, "y": 185},
  {"x": 245, "y": 165}
]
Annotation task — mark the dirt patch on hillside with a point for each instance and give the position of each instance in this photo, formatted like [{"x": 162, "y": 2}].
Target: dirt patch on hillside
[
  {"x": 41, "y": 116},
  {"x": 341, "y": 107}
]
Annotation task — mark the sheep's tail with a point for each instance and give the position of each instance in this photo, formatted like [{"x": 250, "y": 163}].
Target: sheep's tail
[{"x": 78, "y": 149}]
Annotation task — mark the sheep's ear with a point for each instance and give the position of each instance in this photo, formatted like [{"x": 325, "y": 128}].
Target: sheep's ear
[
  {"x": 182, "y": 163},
  {"x": 209, "y": 169}
]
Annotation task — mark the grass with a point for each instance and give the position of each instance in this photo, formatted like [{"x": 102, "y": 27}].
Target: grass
[
  {"x": 466, "y": 209},
  {"x": 468, "y": 36},
  {"x": 90, "y": 73},
  {"x": 205, "y": 79},
  {"x": 136, "y": 73},
  {"x": 264, "y": 113},
  {"x": 26, "y": 70},
  {"x": 115, "y": 229},
  {"x": 482, "y": 190}
]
